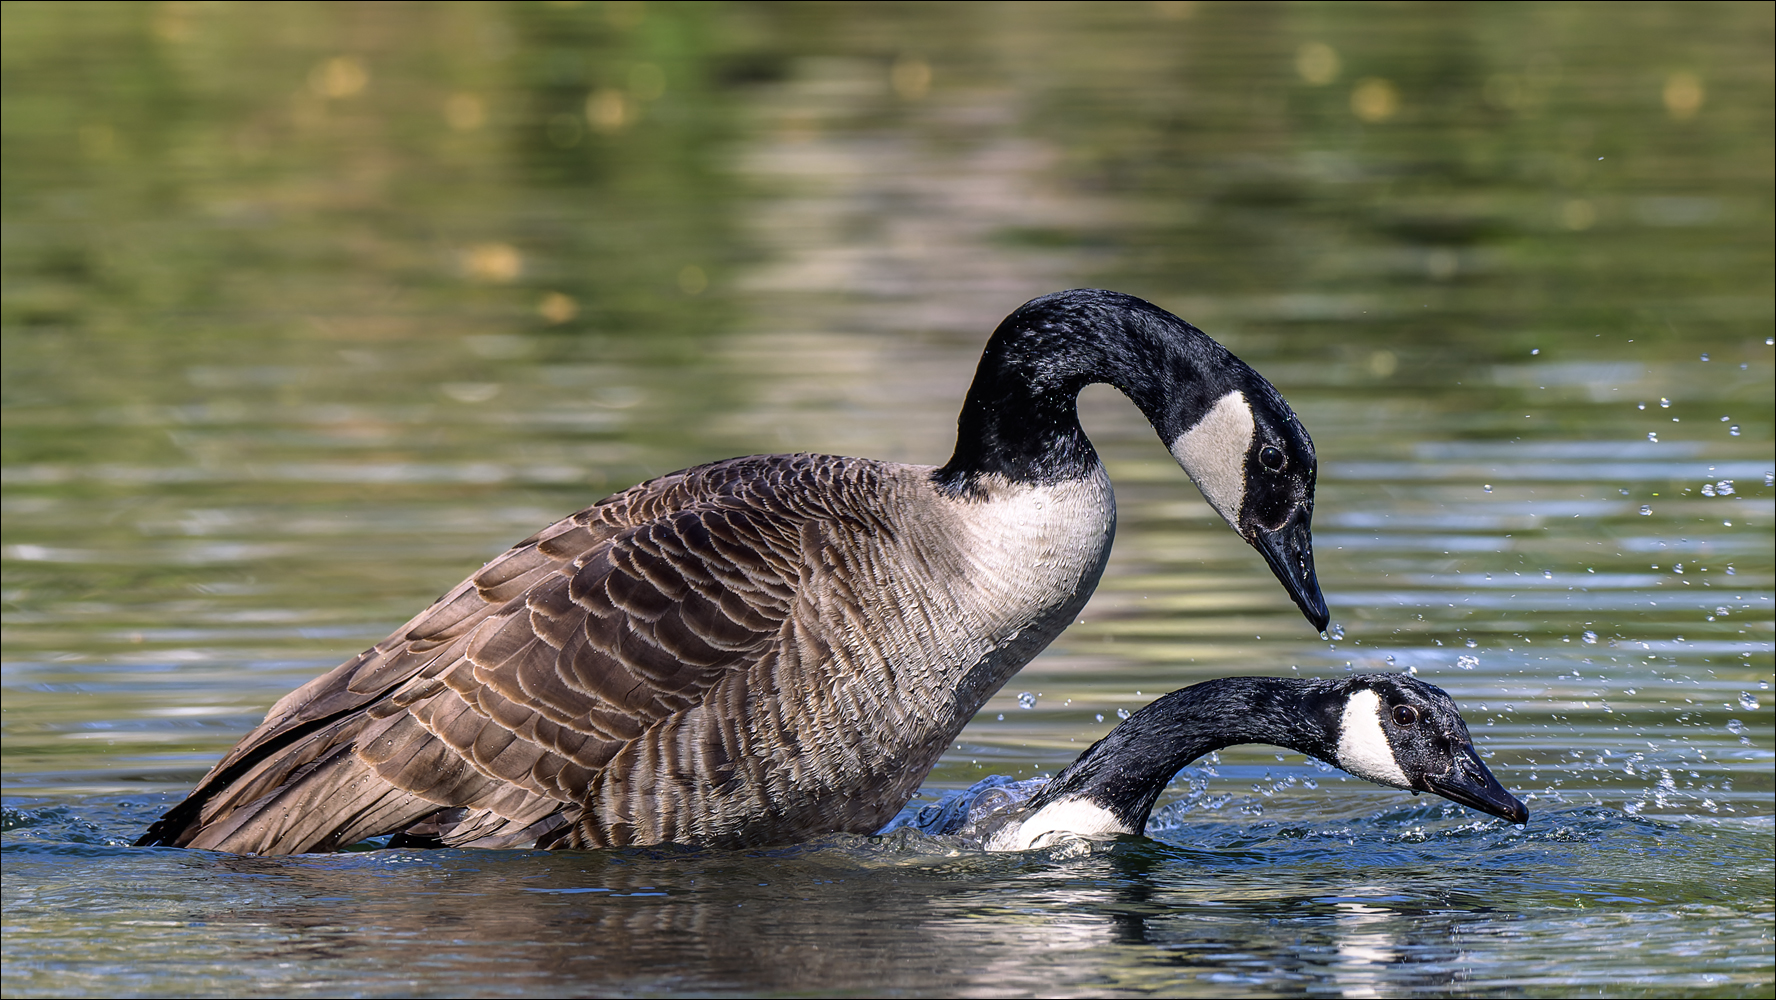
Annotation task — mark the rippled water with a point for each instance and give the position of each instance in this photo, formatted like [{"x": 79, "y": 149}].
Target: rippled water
[{"x": 309, "y": 310}]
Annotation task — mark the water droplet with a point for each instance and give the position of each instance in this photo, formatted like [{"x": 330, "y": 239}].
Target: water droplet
[
  {"x": 1389, "y": 660},
  {"x": 1590, "y": 638},
  {"x": 1653, "y": 436},
  {"x": 1748, "y": 701},
  {"x": 1337, "y": 632},
  {"x": 1535, "y": 350},
  {"x": 1100, "y": 716},
  {"x": 1472, "y": 644},
  {"x": 1026, "y": 700},
  {"x": 1735, "y": 727},
  {"x": 1733, "y": 430},
  {"x": 1646, "y": 510},
  {"x": 1643, "y": 406},
  {"x": 1704, "y": 357},
  {"x": 1001, "y": 716},
  {"x": 1708, "y": 489},
  {"x": 1122, "y": 713},
  {"x": 1546, "y": 575},
  {"x": 1721, "y": 611},
  {"x": 1412, "y": 670},
  {"x": 1724, "y": 487},
  {"x": 1467, "y": 662},
  {"x": 1489, "y": 487},
  {"x": 1664, "y": 404}
]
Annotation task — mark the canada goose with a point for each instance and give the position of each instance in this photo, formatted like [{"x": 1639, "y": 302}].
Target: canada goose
[
  {"x": 764, "y": 649},
  {"x": 1391, "y": 729}
]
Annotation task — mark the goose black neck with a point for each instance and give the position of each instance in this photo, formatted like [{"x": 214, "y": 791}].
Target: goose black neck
[
  {"x": 1021, "y": 417},
  {"x": 1126, "y": 770}
]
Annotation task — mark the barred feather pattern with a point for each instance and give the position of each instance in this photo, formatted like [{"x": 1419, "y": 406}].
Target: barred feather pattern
[{"x": 751, "y": 652}]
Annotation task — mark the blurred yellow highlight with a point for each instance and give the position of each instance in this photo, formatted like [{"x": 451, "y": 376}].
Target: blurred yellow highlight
[
  {"x": 172, "y": 22},
  {"x": 692, "y": 280},
  {"x": 910, "y": 76},
  {"x": 1375, "y": 100},
  {"x": 607, "y": 110},
  {"x": 1683, "y": 95},
  {"x": 1317, "y": 63},
  {"x": 1383, "y": 363},
  {"x": 340, "y": 76},
  {"x": 465, "y": 112},
  {"x": 558, "y": 308},
  {"x": 494, "y": 262}
]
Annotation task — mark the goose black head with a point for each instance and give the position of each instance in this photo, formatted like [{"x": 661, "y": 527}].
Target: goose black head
[
  {"x": 1255, "y": 465},
  {"x": 1230, "y": 429},
  {"x": 1398, "y": 731}
]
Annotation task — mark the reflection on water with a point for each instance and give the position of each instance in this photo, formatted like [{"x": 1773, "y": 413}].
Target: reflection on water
[
  {"x": 1403, "y": 900},
  {"x": 308, "y": 312}
]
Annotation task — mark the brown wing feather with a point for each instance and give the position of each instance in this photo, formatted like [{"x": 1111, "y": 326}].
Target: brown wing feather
[{"x": 491, "y": 712}]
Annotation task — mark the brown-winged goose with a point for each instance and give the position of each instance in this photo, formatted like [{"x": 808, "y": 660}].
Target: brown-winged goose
[{"x": 764, "y": 649}]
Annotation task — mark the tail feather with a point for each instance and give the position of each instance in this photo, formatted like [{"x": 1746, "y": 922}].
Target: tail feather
[{"x": 338, "y": 801}]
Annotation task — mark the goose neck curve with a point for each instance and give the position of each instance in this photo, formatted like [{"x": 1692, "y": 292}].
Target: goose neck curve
[
  {"x": 1021, "y": 419},
  {"x": 1126, "y": 770}
]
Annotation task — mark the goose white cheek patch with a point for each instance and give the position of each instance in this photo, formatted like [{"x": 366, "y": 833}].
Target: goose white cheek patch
[
  {"x": 1213, "y": 453},
  {"x": 1363, "y": 749}
]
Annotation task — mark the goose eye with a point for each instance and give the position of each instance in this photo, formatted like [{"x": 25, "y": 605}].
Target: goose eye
[
  {"x": 1405, "y": 715},
  {"x": 1271, "y": 458}
]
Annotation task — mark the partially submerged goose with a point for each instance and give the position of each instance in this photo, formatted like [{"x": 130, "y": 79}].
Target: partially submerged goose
[
  {"x": 764, "y": 649},
  {"x": 1389, "y": 728}
]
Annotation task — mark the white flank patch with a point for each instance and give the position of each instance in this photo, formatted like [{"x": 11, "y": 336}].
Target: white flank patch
[
  {"x": 1069, "y": 817},
  {"x": 1363, "y": 748},
  {"x": 1213, "y": 453}
]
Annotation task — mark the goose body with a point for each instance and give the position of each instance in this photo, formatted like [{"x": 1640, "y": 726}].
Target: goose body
[
  {"x": 764, "y": 649},
  {"x": 1388, "y": 728}
]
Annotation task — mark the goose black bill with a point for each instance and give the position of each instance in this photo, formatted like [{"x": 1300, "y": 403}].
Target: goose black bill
[
  {"x": 1469, "y": 782},
  {"x": 1289, "y": 551}
]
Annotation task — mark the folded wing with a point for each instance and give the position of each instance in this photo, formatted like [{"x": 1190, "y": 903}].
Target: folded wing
[{"x": 485, "y": 720}]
